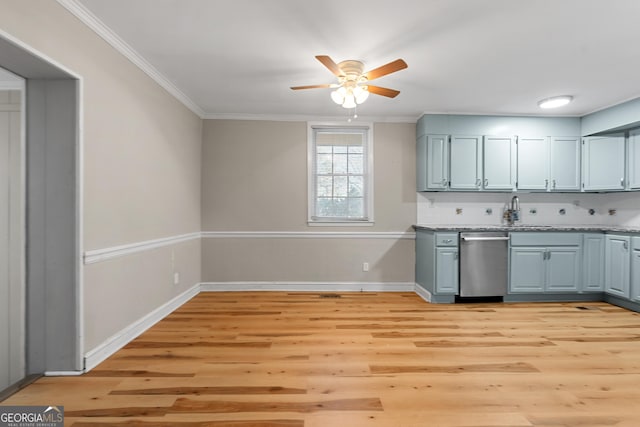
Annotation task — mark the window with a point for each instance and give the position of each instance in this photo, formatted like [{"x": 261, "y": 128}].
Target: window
[{"x": 340, "y": 175}]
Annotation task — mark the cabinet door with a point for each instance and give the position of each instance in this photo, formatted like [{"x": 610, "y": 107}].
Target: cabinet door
[
  {"x": 527, "y": 269},
  {"x": 617, "y": 261},
  {"x": 562, "y": 269},
  {"x": 634, "y": 160},
  {"x": 635, "y": 275},
  {"x": 533, "y": 163},
  {"x": 593, "y": 262},
  {"x": 498, "y": 163},
  {"x": 447, "y": 271},
  {"x": 565, "y": 164},
  {"x": 603, "y": 163},
  {"x": 437, "y": 162},
  {"x": 465, "y": 155}
]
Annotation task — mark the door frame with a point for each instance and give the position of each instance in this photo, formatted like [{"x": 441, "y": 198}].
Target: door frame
[{"x": 43, "y": 354}]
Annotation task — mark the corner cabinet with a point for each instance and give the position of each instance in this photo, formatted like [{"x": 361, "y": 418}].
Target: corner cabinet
[
  {"x": 603, "y": 163},
  {"x": 634, "y": 160},
  {"x": 617, "y": 265},
  {"x": 593, "y": 262}
]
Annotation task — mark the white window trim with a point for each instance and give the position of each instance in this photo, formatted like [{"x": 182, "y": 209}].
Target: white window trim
[{"x": 310, "y": 177}]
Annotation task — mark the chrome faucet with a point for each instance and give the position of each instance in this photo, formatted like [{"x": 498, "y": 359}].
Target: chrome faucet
[{"x": 513, "y": 213}]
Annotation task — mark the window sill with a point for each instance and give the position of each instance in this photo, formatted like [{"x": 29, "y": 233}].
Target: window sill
[{"x": 341, "y": 223}]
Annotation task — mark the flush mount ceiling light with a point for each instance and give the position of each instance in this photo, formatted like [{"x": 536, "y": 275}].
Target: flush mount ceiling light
[
  {"x": 555, "y": 102},
  {"x": 353, "y": 87}
]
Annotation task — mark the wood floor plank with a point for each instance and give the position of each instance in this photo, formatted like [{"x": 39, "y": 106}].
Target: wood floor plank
[{"x": 277, "y": 359}]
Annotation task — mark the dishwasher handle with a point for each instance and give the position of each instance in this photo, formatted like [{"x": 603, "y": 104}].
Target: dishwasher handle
[{"x": 474, "y": 238}]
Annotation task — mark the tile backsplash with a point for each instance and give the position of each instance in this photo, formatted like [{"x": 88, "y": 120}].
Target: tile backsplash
[{"x": 535, "y": 208}]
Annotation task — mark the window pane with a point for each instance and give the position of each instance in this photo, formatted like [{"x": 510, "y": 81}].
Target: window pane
[
  {"x": 340, "y": 187},
  {"x": 325, "y": 164},
  {"x": 340, "y": 208},
  {"x": 324, "y": 207},
  {"x": 355, "y": 186},
  {"x": 355, "y": 163},
  {"x": 358, "y": 149},
  {"x": 340, "y": 149},
  {"x": 324, "y": 186},
  {"x": 356, "y": 208},
  {"x": 340, "y": 163},
  {"x": 324, "y": 149}
]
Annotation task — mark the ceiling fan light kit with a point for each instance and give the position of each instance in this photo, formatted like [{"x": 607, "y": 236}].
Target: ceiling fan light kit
[{"x": 352, "y": 88}]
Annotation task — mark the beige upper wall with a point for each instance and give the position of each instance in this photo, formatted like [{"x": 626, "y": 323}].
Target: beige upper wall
[
  {"x": 254, "y": 177},
  {"x": 141, "y": 146}
]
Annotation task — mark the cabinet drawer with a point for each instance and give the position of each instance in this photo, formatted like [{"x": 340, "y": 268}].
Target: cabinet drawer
[
  {"x": 546, "y": 239},
  {"x": 446, "y": 239}
]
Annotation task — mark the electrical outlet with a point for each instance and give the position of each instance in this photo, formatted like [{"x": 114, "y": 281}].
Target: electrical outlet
[
  {"x": 176, "y": 278},
  {"x": 458, "y": 211},
  {"x": 612, "y": 212},
  {"x": 488, "y": 211},
  {"x": 365, "y": 266}
]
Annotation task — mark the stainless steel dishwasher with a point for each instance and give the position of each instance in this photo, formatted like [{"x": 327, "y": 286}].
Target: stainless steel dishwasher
[{"x": 483, "y": 264}]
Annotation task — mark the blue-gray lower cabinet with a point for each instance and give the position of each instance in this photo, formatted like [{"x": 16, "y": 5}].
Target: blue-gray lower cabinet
[
  {"x": 447, "y": 270},
  {"x": 593, "y": 262},
  {"x": 545, "y": 269},
  {"x": 545, "y": 262},
  {"x": 437, "y": 264},
  {"x": 527, "y": 270},
  {"x": 617, "y": 265}
]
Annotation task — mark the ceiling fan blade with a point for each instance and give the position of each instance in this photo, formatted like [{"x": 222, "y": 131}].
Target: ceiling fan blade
[
  {"x": 332, "y": 66},
  {"x": 390, "y": 93},
  {"x": 389, "y": 68},
  {"x": 313, "y": 86}
]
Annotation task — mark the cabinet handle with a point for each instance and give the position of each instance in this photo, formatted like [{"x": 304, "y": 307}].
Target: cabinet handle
[
  {"x": 486, "y": 182},
  {"x": 625, "y": 245},
  {"x": 621, "y": 182},
  {"x": 444, "y": 182},
  {"x": 455, "y": 255},
  {"x": 544, "y": 255},
  {"x": 478, "y": 182},
  {"x": 546, "y": 184},
  {"x": 447, "y": 241},
  {"x": 548, "y": 254},
  {"x": 554, "y": 184}
]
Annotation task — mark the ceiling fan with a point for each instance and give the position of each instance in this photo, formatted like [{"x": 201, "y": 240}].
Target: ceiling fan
[{"x": 353, "y": 83}]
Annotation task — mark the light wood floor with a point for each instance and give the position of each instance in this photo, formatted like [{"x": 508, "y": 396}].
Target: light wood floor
[{"x": 364, "y": 359}]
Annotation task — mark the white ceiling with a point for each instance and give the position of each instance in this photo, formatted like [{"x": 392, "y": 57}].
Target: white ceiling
[{"x": 238, "y": 58}]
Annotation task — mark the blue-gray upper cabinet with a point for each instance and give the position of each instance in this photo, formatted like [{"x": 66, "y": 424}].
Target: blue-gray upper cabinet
[
  {"x": 565, "y": 163},
  {"x": 432, "y": 167},
  {"x": 499, "y": 163},
  {"x": 465, "y": 154},
  {"x": 634, "y": 160},
  {"x": 603, "y": 163},
  {"x": 593, "y": 262},
  {"x": 617, "y": 263},
  {"x": 533, "y": 163}
]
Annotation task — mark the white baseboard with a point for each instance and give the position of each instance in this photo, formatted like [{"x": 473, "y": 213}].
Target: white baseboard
[
  {"x": 99, "y": 354},
  {"x": 308, "y": 286},
  {"x": 63, "y": 373},
  {"x": 422, "y": 292}
]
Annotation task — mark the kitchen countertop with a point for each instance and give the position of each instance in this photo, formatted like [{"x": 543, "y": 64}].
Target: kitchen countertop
[{"x": 524, "y": 227}]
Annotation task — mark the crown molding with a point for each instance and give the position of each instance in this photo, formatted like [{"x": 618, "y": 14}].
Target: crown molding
[
  {"x": 95, "y": 24},
  {"x": 308, "y": 117}
]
